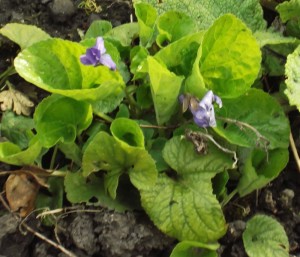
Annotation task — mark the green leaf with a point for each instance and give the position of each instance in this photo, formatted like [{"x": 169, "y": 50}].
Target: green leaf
[
  {"x": 219, "y": 184},
  {"x": 123, "y": 111},
  {"x": 259, "y": 110},
  {"x": 293, "y": 78},
  {"x": 105, "y": 153},
  {"x": 146, "y": 16},
  {"x": 193, "y": 249},
  {"x": 180, "y": 55},
  {"x": 127, "y": 132},
  {"x": 79, "y": 190},
  {"x": 165, "y": 87},
  {"x": 124, "y": 34},
  {"x": 229, "y": 57},
  {"x": 258, "y": 169},
  {"x": 98, "y": 28},
  {"x": 182, "y": 203},
  {"x": 12, "y": 154},
  {"x": 157, "y": 146},
  {"x": 148, "y": 132},
  {"x": 138, "y": 54},
  {"x": 17, "y": 129},
  {"x": 265, "y": 237},
  {"x": 54, "y": 65},
  {"x": 107, "y": 104},
  {"x": 24, "y": 35},
  {"x": 288, "y": 10},
  {"x": 71, "y": 151},
  {"x": 273, "y": 38},
  {"x": 205, "y": 12},
  {"x": 144, "y": 97},
  {"x": 289, "y": 14},
  {"x": 293, "y": 28},
  {"x": 61, "y": 119},
  {"x": 174, "y": 25}
]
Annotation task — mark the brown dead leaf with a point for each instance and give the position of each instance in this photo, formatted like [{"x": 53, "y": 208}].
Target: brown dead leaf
[
  {"x": 15, "y": 100},
  {"x": 21, "y": 192}
]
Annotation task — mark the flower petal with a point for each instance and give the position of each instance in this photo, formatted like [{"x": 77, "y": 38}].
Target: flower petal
[
  {"x": 218, "y": 101},
  {"x": 100, "y": 45},
  {"x": 201, "y": 118},
  {"x": 207, "y": 100},
  {"x": 107, "y": 61},
  {"x": 86, "y": 60},
  {"x": 92, "y": 57}
]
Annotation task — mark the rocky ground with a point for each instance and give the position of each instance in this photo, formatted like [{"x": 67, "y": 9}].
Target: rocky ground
[{"x": 103, "y": 233}]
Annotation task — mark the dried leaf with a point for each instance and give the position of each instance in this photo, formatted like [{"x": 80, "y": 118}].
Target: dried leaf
[
  {"x": 21, "y": 192},
  {"x": 15, "y": 100}
]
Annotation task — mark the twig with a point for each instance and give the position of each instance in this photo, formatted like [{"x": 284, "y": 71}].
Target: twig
[
  {"x": 63, "y": 215},
  {"x": 294, "y": 150},
  {"x": 259, "y": 136},
  {"x": 4, "y": 202},
  {"x": 241, "y": 124},
  {"x": 37, "y": 234}
]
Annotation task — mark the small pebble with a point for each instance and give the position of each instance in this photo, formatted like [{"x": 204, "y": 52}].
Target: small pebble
[
  {"x": 62, "y": 10},
  {"x": 236, "y": 228},
  {"x": 286, "y": 198}
]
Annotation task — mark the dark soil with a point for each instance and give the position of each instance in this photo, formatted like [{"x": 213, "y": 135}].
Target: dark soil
[{"x": 104, "y": 233}]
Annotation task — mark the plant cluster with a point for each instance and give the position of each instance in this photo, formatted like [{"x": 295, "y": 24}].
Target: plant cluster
[
  {"x": 90, "y": 6},
  {"x": 117, "y": 111}
]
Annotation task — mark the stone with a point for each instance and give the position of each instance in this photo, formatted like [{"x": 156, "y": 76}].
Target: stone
[{"x": 62, "y": 10}]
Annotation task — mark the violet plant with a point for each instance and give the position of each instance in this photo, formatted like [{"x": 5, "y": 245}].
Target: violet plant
[
  {"x": 97, "y": 55},
  {"x": 115, "y": 109}
]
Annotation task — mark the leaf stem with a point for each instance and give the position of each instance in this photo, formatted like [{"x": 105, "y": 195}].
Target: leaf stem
[
  {"x": 229, "y": 197},
  {"x": 9, "y": 71},
  {"x": 104, "y": 116},
  {"x": 294, "y": 151},
  {"x": 53, "y": 157},
  {"x": 132, "y": 102},
  {"x": 57, "y": 173},
  {"x": 157, "y": 126}
]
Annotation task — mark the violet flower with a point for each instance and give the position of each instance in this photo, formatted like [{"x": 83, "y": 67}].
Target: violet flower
[
  {"x": 97, "y": 55},
  {"x": 203, "y": 111}
]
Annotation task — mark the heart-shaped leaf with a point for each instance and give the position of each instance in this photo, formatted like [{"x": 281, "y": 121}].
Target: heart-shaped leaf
[
  {"x": 262, "y": 113},
  {"x": 60, "y": 118},
  {"x": 54, "y": 65},
  {"x": 182, "y": 203},
  {"x": 265, "y": 237}
]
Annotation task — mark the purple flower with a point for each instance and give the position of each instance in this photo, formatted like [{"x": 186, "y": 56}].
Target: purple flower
[
  {"x": 97, "y": 55},
  {"x": 203, "y": 111}
]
